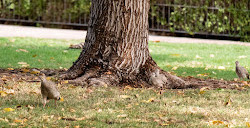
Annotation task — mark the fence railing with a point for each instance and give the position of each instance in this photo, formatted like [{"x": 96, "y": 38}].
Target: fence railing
[{"x": 209, "y": 17}]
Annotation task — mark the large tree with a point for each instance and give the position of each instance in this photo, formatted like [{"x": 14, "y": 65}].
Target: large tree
[{"x": 116, "y": 48}]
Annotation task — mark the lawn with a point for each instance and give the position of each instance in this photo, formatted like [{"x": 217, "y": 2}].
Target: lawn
[
  {"x": 20, "y": 101},
  {"x": 198, "y": 60}
]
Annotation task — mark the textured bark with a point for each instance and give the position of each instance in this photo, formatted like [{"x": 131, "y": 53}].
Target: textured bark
[{"x": 116, "y": 48}]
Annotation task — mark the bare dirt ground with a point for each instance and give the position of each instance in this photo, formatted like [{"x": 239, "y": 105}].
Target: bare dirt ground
[{"x": 23, "y": 75}]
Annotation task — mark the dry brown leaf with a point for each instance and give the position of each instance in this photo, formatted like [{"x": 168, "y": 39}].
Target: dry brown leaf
[
  {"x": 128, "y": 87},
  {"x": 68, "y": 119},
  {"x": 156, "y": 41},
  {"x": 5, "y": 120},
  {"x": 217, "y": 122},
  {"x": 17, "y": 121},
  {"x": 72, "y": 110},
  {"x": 108, "y": 73},
  {"x": 23, "y": 50},
  {"x": 3, "y": 93}
]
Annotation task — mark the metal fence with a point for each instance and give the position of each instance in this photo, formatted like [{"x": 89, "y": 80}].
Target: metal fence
[
  {"x": 56, "y": 12},
  {"x": 209, "y": 17}
]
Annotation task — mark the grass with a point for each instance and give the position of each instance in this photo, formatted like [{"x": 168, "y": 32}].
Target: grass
[
  {"x": 40, "y": 53},
  {"x": 131, "y": 107},
  {"x": 199, "y": 60},
  {"x": 117, "y": 107}
]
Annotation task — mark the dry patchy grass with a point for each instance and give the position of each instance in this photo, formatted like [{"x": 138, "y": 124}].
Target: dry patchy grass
[{"x": 124, "y": 107}]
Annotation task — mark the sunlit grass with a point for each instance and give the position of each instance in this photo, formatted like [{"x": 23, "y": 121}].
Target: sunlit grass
[
  {"x": 40, "y": 53},
  {"x": 117, "y": 107},
  {"x": 199, "y": 60}
]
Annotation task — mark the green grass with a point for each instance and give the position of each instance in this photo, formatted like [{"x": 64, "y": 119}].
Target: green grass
[
  {"x": 42, "y": 53},
  {"x": 116, "y": 107},
  {"x": 194, "y": 59},
  {"x": 189, "y": 59}
]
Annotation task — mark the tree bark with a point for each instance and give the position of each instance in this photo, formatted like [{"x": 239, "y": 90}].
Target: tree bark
[{"x": 116, "y": 48}]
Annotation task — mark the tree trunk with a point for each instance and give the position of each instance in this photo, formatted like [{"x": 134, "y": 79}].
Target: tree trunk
[{"x": 116, "y": 48}]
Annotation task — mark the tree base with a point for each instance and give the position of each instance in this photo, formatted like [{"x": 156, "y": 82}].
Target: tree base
[{"x": 145, "y": 78}]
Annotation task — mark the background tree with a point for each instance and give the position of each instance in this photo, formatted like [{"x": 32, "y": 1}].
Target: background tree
[{"x": 116, "y": 48}]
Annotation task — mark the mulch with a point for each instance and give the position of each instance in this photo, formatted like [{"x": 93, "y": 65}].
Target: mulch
[{"x": 23, "y": 75}]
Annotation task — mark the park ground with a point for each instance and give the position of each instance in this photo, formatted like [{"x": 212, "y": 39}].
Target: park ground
[{"x": 217, "y": 100}]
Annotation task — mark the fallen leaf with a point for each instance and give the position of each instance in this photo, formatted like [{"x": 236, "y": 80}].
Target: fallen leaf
[
  {"x": 23, "y": 50},
  {"x": 29, "y": 107},
  {"x": 72, "y": 110},
  {"x": 24, "y": 64},
  {"x": 164, "y": 124},
  {"x": 64, "y": 82},
  {"x": 149, "y": 100},
  {"x": 10, "y": 92},
  {"x": 202, "y": 90},
  {"x": 174, "y": 68},
  {"x": 24, "y": 70},
  {"x": 3, "y": 93},
  {"x": 125, "y": 96},
  {"x": 34, "y": 71},
  {"x": 33, "y": 92},
  {"x": 198, "y": 57},
  {"x": 248, "y": 124},
  {"x": 176, "y": 55},
  {"x": 61, "y": 99},
  {"x": 5, "y": 120},
  {"x": 10, "y": 68},
  {"x": 221, "y": 67},
  {"x": 180, "y": 93},
  {"x": 228, "y": 102},
  {"x": 108, "y": 73},
  {"x": 244, "y": 82},
  {"x": 156, "y": 41},
  {"x": 68, "y": 119},
  {"x": 217, "y": 122},
  {"x": 17, "y": 121},
  {"x": 122, "y": 116},
  {"x": 128, "y": 87},
  {"x": 8, "y": 109},
  {"x": 34, "y": 55},
  {"x": 81, "y": 118},
  {"x": 212, "y": 55},
  {"x": 240, "y": 57}
]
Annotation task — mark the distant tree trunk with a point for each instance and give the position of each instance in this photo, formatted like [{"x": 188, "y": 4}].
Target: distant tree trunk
[{"x": 116, "y": 48}]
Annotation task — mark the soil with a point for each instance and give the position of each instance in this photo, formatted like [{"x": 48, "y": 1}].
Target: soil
[{"x": 24, "y": 75}]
